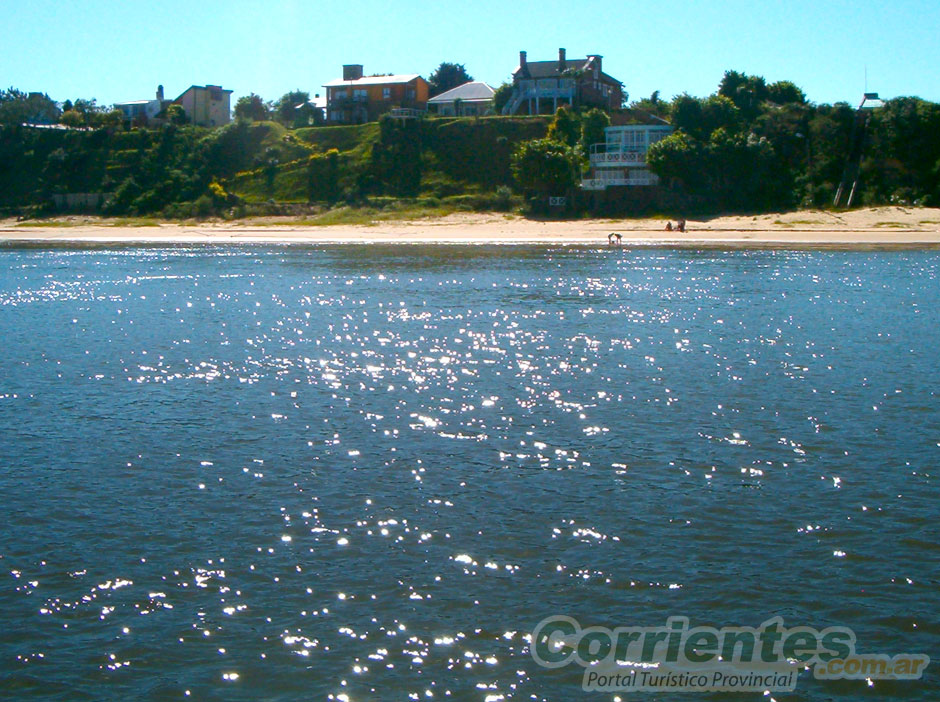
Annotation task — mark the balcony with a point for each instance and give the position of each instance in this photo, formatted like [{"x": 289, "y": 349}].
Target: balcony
[
  {"x": 614, "y": 154},
  {"x": 634, "y": 179},
  {"x": 348, "y": 101},
  {"x": 618, "y": 158}
]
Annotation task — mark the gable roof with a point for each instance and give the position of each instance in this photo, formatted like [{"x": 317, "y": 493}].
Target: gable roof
[
  {"x": 549, "y": 69},
  {"x": 374, "y": 80},
  {"x": 474, "y": 91}
]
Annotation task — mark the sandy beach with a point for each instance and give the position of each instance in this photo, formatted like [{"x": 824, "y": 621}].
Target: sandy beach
[{"x": 884, "y": 226}]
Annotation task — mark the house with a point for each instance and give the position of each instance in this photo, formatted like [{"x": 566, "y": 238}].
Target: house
[
  {"x": 467, "y": 100},
  {"x": 311, "y": 112},
  {"x": 316, "y": 107},
  {"x": 143, "y": 112},
  {"x": 621, "y": 159},
  {"x": 355, "y": 98},
  {"x": 206, "y": 106},
  {"x": 542, "y": 86}
]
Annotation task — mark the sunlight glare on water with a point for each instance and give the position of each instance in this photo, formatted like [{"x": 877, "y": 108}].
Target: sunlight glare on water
[{"x": 368, "y": 472}]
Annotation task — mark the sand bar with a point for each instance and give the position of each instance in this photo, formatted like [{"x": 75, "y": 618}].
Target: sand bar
[{"x": 876, "y": 227}]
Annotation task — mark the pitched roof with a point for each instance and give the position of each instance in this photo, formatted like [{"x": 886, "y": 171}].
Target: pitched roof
[
  {"x": 475, "y": 91},
  {"x": 374, "y": 80},
  {"x": 549, "y": 69}
]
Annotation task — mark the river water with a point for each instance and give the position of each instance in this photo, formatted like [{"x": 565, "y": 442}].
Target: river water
[{"x": 368, "y": 472}]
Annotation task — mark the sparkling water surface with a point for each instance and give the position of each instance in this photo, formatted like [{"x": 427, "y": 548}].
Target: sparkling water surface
[{"x": 363, "y": 473}]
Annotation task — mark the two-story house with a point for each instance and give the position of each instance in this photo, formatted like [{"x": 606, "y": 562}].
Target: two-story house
[
  {"x": 206, "y": 106},
  {"x": 143, "y": 112},
  {"x": 540, "y": 87},
  {"x": 621, "y": 159},
  {"x": 355, "y": 98}
]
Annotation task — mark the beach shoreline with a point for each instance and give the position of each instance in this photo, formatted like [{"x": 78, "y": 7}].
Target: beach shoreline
[{"x": 875, "y": 227}]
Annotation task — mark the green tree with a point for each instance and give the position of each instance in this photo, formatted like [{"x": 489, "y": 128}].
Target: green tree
[
  {"x": 272, "y": 159},
  {"x": 565, "y": 127},
  {"x": 175, "y": 114},
  {"x": 748, "y": 93},
  {"x": 89, "y": 110},
  {"x": 593, "y": 123},
  {"x": 323, "y": 177},
  {"x": 72, "y": 118},
  {"x": 784, "y": 92},
  {"x": 730, "y": 169},
  {"x": 289, "y": 107},
  {"x": 501, "y": 96},
  {"x": 830, "y": 131},
  {"x": 397, "y": 162},
  {"x": 653, "y": 105},
  {"x": 678, "y": 157},
  {"x": 718, "y": 112},
  {"x": 251, "y": 107},
  {"x": 545, "y": 166},
  {"x": 902, "y": 152},
  {"x": 17, "y": 107},
  {"x": 447, "y": 76},
  {"x": 112, "y": 119},
  {"x": 699, "y": 118},
  {"x": 687, "y": 114}
]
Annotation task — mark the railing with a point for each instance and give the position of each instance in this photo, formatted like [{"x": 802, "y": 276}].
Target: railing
[
  {"x": 536, "y": 93},
  {"x": 510, "y": 107},
  {"x": 619, "y": 158},
  {"x": 407, "y": 113},
  {"x": 603, "y": 183}
]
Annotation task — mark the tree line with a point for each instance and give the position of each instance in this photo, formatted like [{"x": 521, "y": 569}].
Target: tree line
[
  {"x": 760, "y": 146},
  {"x": 751, "y": 145}
]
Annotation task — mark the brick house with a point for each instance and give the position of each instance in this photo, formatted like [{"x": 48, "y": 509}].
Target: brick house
[
  {"x": 355, "y": 98},
  {"x": 541, "y": 87}
]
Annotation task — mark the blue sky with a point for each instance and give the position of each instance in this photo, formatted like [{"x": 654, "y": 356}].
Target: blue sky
[{"x": 120, "y": 50}]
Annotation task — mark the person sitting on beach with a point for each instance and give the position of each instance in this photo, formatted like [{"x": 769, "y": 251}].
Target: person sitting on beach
[
  {"x": 669, "y": 226},
  {"x": 614, "y": 239},
  {"x": 681, "y": 225}
]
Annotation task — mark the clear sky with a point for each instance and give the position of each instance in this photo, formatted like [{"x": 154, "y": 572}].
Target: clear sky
[{"x": 116, "y": 50}]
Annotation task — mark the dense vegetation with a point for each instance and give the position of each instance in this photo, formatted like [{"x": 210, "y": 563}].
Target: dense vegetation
[
  {"x": 760, "y": 146},
  {"x": 751, "y": 145},
  {"x": 248, "y": 166}
]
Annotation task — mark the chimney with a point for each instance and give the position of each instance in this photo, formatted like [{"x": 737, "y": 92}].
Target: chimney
[
  {"x": 596, "y": 63},
  {"x": 352, "y": 71},
  {"x": 160, "y": 93},
  {"x": 562, "y": 66},
  {"x": 522, "y": 60}
]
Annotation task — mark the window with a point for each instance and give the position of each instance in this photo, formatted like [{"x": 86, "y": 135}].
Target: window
[
  {"x": 386, "y": 93},
  {"x": 411, "y": 93},
  {"x": 360, "y": 93},
  {"x": 635, "y": 140},
  {"x": 339, "y": 94}
]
